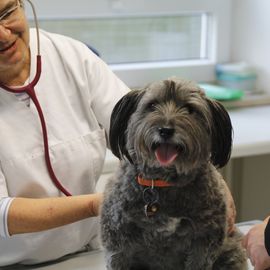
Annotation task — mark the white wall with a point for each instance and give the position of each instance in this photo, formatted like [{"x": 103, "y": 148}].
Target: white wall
[{"x": 251, "y": 37}]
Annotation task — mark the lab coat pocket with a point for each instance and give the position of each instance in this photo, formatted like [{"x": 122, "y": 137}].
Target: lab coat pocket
[
  {"x": 84, "y": 159},
  {"x": 98, "y": 150},
  {"x": 77, "y": 163}
]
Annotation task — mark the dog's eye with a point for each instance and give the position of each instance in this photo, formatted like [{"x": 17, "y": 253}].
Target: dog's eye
[
  {"x": 190, "y": 108},
  {"x": 151, "y": 106}
]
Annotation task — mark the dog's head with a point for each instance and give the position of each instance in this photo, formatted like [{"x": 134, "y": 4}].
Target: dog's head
[{"x": 171, "y": 124}]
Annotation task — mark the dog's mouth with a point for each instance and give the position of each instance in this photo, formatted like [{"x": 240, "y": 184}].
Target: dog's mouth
[{"x": 166, "y": 153}]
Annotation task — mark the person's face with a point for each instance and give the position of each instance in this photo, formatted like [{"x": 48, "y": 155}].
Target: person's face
[{"x": 14, "y": 36}]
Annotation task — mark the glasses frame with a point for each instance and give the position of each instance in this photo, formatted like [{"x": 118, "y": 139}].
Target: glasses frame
[{"x": 9, "y": 11}]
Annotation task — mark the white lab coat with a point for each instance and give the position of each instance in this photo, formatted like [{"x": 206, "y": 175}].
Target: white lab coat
[{"x": 77, "y": 93}]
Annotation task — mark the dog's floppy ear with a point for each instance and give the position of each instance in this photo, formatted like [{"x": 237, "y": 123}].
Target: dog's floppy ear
[
  {"x": 122, "y": 111},
  {"x": 221, "y": 131}
]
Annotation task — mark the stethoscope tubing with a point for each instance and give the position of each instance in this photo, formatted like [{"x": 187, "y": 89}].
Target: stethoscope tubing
[{"x": 29, "y": 89}]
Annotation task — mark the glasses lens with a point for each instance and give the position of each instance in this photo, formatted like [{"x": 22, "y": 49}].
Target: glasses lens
[{"x": 10, "y": 13}]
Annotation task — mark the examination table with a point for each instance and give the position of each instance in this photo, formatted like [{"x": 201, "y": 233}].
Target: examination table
[{"x": 93, "y": 260}]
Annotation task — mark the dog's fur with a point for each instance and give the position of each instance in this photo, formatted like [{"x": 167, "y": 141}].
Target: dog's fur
[{"x": 189, "y": 229}]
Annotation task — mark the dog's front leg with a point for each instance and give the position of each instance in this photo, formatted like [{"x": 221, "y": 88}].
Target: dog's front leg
[
  {"x": 199, "y": 257},
  {"x": 116, "y": 261}
]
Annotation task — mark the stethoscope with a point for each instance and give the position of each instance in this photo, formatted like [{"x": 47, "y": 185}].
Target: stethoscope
[{"x": 29, "y": 89}]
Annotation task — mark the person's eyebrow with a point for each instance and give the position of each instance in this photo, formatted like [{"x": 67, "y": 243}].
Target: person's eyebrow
[{"x": 7, "y": 7}]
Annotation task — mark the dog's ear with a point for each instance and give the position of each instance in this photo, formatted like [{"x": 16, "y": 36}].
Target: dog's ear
[
  {"x": 221, "y": 134},
  {"x": 122, "y": 111}
]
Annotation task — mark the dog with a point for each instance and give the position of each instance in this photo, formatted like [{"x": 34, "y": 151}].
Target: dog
[{"x": 165, "y": 209}]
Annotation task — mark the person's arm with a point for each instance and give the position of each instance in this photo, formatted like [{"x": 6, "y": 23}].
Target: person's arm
[
  {"x": 254, "y": 243},
  {"x": 33, "y": 215}
]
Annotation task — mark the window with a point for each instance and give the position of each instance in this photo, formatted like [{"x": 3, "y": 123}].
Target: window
[
  {"x": 147, "y": 40},
  {"x": 138, "y": 39}
]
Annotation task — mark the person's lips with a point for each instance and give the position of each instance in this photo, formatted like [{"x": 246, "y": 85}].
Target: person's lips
[{"x": 7, "y": 47}]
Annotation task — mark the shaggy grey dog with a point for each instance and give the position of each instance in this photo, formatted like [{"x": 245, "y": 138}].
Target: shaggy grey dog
[{"x": 166, "y": 207}]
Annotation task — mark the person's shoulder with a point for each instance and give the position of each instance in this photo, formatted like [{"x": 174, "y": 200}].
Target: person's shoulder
[
  {"x": 62, "y": 45},
  {"x": 59, "y": 38}
]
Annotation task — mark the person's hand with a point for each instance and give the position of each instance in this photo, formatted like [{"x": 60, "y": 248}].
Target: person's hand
[{"x": 253, "y": 242}]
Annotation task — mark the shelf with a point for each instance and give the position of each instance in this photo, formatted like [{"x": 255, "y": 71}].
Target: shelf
[{"x": 248, "y": 101}]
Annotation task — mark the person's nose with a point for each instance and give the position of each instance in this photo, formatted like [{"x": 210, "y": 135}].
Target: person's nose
[{"x": 4, "y": 33}]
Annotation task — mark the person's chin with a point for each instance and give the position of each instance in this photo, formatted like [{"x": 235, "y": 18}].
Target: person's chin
[{"x": 17, "y": 59}]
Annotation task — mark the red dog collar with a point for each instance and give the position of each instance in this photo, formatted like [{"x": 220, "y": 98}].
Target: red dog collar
[{"x": 153, "y": 183}]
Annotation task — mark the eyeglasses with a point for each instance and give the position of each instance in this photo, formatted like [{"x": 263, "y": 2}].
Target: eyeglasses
[{"x": 10, "y": 14}]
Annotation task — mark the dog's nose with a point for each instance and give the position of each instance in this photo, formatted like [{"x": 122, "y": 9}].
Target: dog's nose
[{"x": 166, "y": 133}]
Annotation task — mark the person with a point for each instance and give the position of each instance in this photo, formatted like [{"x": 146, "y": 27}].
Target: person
[
  {"x": 77, "y": 92},
  {"x": 257, "y": 244}
]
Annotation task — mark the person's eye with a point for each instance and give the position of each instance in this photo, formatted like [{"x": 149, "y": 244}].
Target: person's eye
[{"x": 6, "y": 15}]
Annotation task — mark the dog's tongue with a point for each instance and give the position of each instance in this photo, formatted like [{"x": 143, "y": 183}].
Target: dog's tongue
[{"x": 166, "y": 154}]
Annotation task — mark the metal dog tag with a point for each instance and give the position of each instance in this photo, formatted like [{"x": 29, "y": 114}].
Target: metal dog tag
[
  {"x": 150, "y": 197},
  {"x": 151, "y": 209}
]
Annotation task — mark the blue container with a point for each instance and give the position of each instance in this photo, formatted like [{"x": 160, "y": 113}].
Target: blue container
[{"x": 237, "y": 76}]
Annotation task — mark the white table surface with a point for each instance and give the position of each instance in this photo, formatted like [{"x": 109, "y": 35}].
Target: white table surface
[{"x": 94, "y": 260}]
